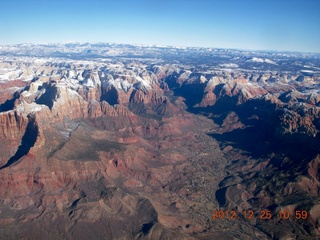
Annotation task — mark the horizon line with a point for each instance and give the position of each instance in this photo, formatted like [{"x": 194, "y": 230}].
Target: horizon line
[{"x": 158, "y": 46}]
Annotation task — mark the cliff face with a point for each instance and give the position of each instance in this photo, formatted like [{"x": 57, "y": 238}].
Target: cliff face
[
  {"x": 112, "y": 147},
  {"x": 12, "y": 128}
]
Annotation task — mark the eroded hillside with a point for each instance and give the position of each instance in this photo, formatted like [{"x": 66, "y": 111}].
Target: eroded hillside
[{"x": 139, "y": 148}]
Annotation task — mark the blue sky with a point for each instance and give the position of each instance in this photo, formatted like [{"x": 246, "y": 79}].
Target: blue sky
[{"x": 292, "y": 25}]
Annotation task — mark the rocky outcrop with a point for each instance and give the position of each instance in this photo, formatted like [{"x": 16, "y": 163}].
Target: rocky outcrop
[
  {"x": 231, "y": 122},
  {"x": 12, "y": 128},
  {"x": 110, "y": 146},
  {"x": 297, "y": 125}
]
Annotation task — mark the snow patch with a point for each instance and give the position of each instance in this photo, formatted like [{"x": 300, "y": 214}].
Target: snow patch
[
  {"x": 11, "y": 75},
  {"x": 125, "y": 85},
  {"x": 26, "y": 108},
  {"x": 88, "y": 82},
  {"x": 261, "y": 60},
  {"x": 26, "y": 94},
  {"x": 229, "y": 65},
  {"x": 306, "y": 71},
  {"x": 143, "y": 82},
  {"x": 40, "y": 61}
]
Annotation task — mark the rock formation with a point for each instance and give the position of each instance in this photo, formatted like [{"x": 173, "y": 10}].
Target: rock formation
[{"x": 134, "y": 149}]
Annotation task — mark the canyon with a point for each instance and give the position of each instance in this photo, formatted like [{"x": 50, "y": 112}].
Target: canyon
[{"x": 146, "y": 142}]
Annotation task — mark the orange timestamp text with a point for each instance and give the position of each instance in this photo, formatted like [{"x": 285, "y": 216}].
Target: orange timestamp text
[{"x": 264, "y": 214}]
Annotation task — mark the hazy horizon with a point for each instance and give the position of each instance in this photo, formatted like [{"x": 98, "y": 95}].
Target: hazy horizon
[{"x": 159, "y": 45}]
